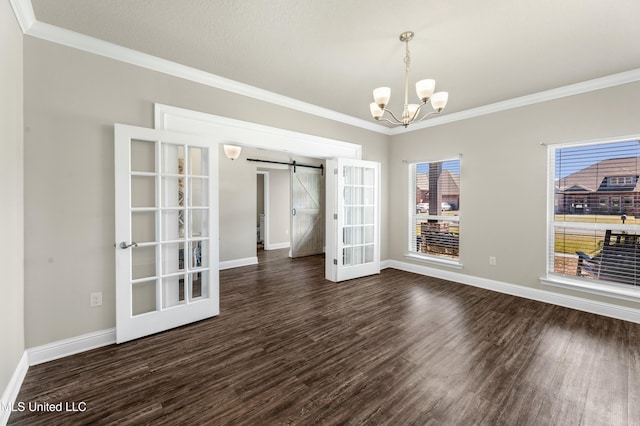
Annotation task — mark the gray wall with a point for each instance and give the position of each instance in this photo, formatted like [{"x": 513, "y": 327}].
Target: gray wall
[
  {"x": 504, "y": 177},
  {"x": 72, "y": 100},
  {"x": 279, "y": 207},
  {"x": 260, "y": 196},
  {"x": 11, "y": 194}
]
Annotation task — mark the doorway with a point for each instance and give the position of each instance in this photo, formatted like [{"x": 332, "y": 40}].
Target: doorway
[{"x": 290, "y": 208}]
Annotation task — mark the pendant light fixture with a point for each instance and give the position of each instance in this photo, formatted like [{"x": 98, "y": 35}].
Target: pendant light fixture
[{"x": 411, "y": 112}]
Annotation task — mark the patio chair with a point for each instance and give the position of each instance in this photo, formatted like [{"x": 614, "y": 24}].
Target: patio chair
[{"x": 588, "y": 266}]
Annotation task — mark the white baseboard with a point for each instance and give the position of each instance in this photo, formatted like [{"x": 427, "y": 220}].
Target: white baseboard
[
  {"x": 228, "y": 264},
  {"x": 567, "y": 301},
  {"x": 62, "y": 348},
  {"x": 13, "y": 387},
  {"x": 277, "y": 246}
]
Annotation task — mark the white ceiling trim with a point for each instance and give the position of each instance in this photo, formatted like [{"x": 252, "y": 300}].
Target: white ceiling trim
[
  {"x": 548, "y": 95},
  {"x": 24, "y": 13},
  {"x": 30, "y": 26}
]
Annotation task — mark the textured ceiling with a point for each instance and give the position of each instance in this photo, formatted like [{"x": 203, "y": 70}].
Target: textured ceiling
[{"x": 332, "y": 53}]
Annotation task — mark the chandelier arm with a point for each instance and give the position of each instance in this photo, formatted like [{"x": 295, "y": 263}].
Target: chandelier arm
[
  {"x": 417, "y": 113},
  {"x": 387, "y": 120},
  {"x": 393, "y": 115},
  {"x": 427, "y": 115}
]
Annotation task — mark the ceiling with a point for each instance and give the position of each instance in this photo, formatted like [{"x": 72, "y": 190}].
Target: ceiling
[{"x": 332, "y": 53}]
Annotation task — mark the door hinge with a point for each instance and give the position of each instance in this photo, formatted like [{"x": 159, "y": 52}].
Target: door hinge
[
  {"x": 335, "y": 171},
  {"x": 335, "y": 216},
  {"x": 335, "y": 261}
]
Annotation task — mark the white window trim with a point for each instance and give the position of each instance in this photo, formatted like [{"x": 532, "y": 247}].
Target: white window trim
[
  {"x": 411, "y": 208},
  {"x": 435, "y": 260},
  {"x": 599, "y": 287}
]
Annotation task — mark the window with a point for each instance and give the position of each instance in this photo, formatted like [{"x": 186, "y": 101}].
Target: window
[
  {"x": 595, "y": 237},
  {"x": 620, "y": 180},
  {"x": 434, "y": 210}
]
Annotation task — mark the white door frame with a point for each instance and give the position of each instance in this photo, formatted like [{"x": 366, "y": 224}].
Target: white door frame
[{"x": 223, "y": 130}]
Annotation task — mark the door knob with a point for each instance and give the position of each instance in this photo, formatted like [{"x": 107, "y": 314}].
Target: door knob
[{"x": 124, "y": 245}]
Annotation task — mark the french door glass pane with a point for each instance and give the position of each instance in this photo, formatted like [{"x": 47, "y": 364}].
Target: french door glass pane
[
  {"x": 143, "y": 297},
  {"x": 199, "y": 284},
  {"x": 173, "y": 291},
  {"x": 172, "y": 258},
  {"x": 369, "y": 177},
  {"x": 368, "y": 253},
  {"x": 143, "y": 191},
  {"x": 199, "y": 223},
  {"x": 143, "y": 156},
  {"x": 368, "y": 234},
  {"x": 172, "y": 159},
  {"x": 172, "y": 225},
  {"x": 347, "y": 236},
  {"x": 368, "y": 215},
  {"x": 143, "y": 262},
  {"x": 199, "y": 254},
  {"x": 199, "y": 190},
  {"x": 347, "y": 256},
  {"x": 172, "y": 191},
  {"x": 197, "y": 161},
  {"x": 143, "y": 226}
]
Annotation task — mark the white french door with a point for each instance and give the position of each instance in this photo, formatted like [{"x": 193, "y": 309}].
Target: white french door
[
  {"x": 307, "y": 226},
  {"x": 356, "y": 219},
  {"x": 166, "y": 230}
]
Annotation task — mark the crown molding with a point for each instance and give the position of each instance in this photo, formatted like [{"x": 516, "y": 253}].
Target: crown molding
[
  {"x": 24, "y": 14},
  {"x": 548, "y": 95},
  {"x": 32, "y": 27}
]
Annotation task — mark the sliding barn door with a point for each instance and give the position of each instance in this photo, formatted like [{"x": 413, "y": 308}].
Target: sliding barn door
[
  {"x": 356, "y": 219},
  {"x": 307, "y": 225},
  {"x": 166, "y": 231}
]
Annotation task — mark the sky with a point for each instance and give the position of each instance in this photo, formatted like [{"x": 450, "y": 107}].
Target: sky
[
  {"x": 452, "y": 165},
  {"x": 572, "y": 159}
]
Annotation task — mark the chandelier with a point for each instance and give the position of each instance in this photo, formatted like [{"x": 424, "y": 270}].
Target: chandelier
[{"x": 411, "y": 112}]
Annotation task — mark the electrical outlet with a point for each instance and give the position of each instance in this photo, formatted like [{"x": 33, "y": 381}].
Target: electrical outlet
[
  {"x": 96, "y": 299},
  {"x": 492, "y": 261}
]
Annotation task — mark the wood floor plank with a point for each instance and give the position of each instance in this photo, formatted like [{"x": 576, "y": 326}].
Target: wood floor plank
[{"x": 390, "y": 349}]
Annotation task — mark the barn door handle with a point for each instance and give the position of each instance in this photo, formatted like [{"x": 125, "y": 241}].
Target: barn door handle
[
  {"x": 124, "y": 245},
  {"x": 293, "y": 212}
]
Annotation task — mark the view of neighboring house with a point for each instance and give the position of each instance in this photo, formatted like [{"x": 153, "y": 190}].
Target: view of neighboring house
[
  {"x": 448, "y": 188},
  {"x": 607, "y": 187}
]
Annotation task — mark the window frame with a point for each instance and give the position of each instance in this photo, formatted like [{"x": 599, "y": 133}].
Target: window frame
[
  {"x": 441, "y": 260},
  {"x": 593, "y": 286}
]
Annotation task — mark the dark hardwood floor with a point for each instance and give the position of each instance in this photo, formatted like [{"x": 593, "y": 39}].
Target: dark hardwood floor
[{"x": 395, "y": 349}]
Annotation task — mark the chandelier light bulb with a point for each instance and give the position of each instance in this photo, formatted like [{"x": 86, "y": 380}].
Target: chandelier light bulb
[
  {"x": 439, "y": 100},
  {"x": 381, "y": 96},
  {"x": 425, "y": 88},
  {"x": 376, "y": 112}
]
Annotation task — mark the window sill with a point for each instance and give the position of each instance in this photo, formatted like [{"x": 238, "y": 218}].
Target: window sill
[
  {"x": 618, "y": 291},
  {"x": 435, "y": 260}
]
